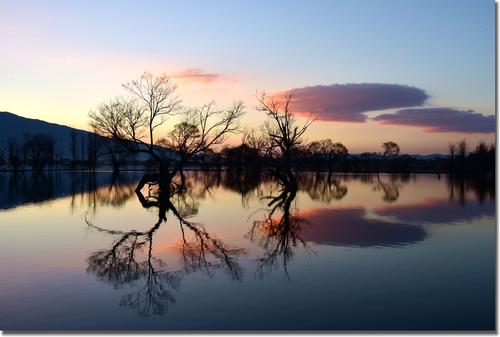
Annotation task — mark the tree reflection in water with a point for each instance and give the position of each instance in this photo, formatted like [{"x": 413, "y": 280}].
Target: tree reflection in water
[
  {"x": 481, "y": 187},
  {"x": 390, "y": 188},
  {"x": 279, "y": 232},
  {"x": 322, "y": 188},
  {"x": 119, "y": 265}
]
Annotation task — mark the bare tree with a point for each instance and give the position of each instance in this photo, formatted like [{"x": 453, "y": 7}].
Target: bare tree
[
  {"x": 73, "y": 149},
  {"x": 159, "y": 100},
  {"x": 332, "y": 151},
  {"x": 339, "y": 150},
  {"x": 254, "y": 141},
  {"x": 313, "y": 150},
  {"x": 201, "y": 129},
  {"x": 282, "y": 130},
  {"x": 38, "y": 150},
  {"x": 452, "y": 149},
  {"x": 462, "y": 148},
  {"x": 117, "y": 154},
  {"x": 94, "y": 148},
  {"x": 390, "y": 149},
  {"x": 14, "y": 154},
  {"x": 134, "y": 121},
  {"x": 2, "y": 155}
]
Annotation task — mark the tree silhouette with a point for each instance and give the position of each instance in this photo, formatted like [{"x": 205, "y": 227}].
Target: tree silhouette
[
  {"x": 2, "y": 155},
  {"x": 38, "y": 150},
  {"x": 390, "y": 149},
  {"x": 200, "y": 130},
  {"x": 283, "y": 133},
  {"x": 327, "y": 150},
  {"x": 135, "y": 121},
  {"x": 14, "y": 154}
]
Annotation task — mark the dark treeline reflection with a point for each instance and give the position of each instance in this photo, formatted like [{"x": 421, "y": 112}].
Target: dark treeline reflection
[
  {"x": 108, "y": 189},
  {"x": 483, "y": 187},
  {"x": 26, "y": 187}
]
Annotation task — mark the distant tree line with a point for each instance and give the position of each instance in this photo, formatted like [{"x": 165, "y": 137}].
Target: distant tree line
[
  {"x": 329, "y": 156},
  {"x": 480, "y": 160},
  {"x": 37, "y": 152}
]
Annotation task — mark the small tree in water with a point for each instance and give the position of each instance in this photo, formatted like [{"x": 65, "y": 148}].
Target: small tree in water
[
  {"x": 201, "y": 129},
  {"x": 390, "y": 149},
  {"x": 284, "y": 133}
]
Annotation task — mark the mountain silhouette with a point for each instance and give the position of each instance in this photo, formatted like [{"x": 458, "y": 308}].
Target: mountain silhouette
[{"x": 14, "y": 127}]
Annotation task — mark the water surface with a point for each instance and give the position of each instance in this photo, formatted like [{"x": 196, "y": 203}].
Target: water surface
[{"x": 244, "y": 252}]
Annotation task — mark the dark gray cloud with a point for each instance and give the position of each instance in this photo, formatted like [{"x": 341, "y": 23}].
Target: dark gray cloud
[
  {"x": 441, "y": 120},
  {"x": 349, "y": 102}
]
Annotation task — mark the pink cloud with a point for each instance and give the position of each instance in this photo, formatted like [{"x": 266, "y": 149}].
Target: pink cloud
[
  {"x": 198, "y": 75},
  {"x": 349, "y": 102}
]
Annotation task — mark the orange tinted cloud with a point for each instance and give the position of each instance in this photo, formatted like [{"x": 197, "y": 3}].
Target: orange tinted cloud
[{"x": 198, "y": 75}]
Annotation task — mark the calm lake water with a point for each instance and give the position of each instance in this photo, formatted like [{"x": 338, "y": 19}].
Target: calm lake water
[{"x": 243, "y": 252}]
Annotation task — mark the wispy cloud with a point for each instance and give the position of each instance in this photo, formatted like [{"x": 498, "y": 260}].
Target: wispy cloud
[
  {"x": 349, "y": 102},
  {"x": 198, "y": 75},
  {"x": 441, "y": 120}
]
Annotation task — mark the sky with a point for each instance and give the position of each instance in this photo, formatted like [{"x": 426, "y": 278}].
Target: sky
[{"x": 420, "y": 73}]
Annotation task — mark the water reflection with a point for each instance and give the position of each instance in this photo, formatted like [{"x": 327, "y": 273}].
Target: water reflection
[
  {"x": 351, "y": 227},
  {"x": 199, "y": 251},
  {"x": 214, "y": 231},
  {"x": 321, "y": 187},
  {"x": 279, "y": 232},
  {"x": 106, "y": 189},
  {"x": 483, "y": 187},
  {"x": 389, "y": 188},
  {"x": 442, "y": 211},
  {"x": 118, "y": 266},
  {"x": 101, "y": 188}
]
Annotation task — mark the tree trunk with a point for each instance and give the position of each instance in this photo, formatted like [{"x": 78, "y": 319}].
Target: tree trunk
[{"x": 164, "y": 178}]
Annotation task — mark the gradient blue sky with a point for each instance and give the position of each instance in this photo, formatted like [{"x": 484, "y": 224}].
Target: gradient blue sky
[{"x": 60, "y": 59}]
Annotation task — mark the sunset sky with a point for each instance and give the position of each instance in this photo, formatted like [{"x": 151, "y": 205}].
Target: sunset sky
[{"x": 421, "y": 73}]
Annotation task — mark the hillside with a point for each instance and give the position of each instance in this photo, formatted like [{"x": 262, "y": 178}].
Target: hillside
[{"x": 14, "y": 127}]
